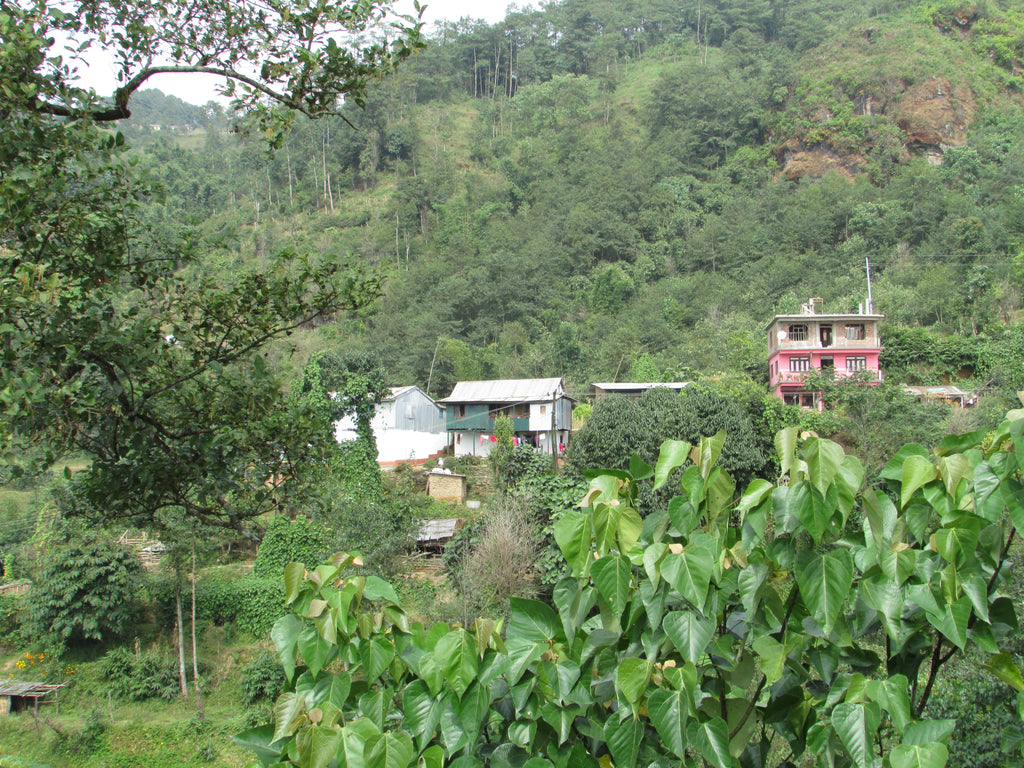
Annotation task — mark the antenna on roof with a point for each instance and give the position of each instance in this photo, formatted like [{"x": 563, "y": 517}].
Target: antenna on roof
[{"x": 867, "y": 267}]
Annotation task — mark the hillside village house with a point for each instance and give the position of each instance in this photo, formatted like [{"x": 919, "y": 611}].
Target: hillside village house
[
  {"x": 540, "y": 410},
  {"x": 408, "y": 425},
  {"x": 632, "y": 389},
  {"x": 845, "y": 344}
]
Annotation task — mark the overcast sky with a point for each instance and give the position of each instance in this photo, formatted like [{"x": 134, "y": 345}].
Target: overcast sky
[{"x": 100, "y": 73}]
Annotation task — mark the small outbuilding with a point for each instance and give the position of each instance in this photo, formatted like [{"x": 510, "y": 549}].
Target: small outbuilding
[
  {"x": 446, "y": 486},
  {"x": 17, "y": 696}
]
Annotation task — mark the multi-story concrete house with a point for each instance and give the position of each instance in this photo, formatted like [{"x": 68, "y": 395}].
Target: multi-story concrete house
[{"x": 814, "y": 340}]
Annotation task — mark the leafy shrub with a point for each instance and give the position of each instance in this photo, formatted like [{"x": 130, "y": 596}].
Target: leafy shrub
[
  {"x": 262, "y": 679},
  {"x": 11, "y": 616},
  {"x": 289, "y": 541},
  {"x": 522, "y": 463},
  {"x": 138, "y": 677},
  {"x": 87, "y": 591},
  {"x": 250, "y": 603}
]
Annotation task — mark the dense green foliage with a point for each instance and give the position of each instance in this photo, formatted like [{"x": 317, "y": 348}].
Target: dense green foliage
[
  {"x": 620, "y": 427},
  {"x": 725, "y": 631},
  {"x": 261, "y": 680},
  {"x": 286, "y": 541},
  {"x": 633, "y": 199},
  {"x": 110, "y": 346},
  {"x": 140, "y": 676},
  {"x": 88, "y": 590}
]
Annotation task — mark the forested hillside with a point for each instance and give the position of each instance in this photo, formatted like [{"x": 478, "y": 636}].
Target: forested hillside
[{"x": 605, "y": 190}]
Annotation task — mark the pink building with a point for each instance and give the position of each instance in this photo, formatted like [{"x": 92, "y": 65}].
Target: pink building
[{"x": 843, "y": 343}]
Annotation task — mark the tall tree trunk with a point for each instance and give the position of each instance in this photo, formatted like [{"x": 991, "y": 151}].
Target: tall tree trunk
[
  {"x": 195, "y": 652},
  {"x": 181, "y": 641},
  {"x": 288, "y": 159}
]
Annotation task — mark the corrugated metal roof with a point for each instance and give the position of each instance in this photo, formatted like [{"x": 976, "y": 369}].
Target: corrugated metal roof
[
  {"x": 632, "y": 385},
  {"x": 28, "y": 688},
  {"x": 506, "y": 391}
]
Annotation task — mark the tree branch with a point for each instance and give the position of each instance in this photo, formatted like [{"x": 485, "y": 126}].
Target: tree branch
[{"x": 120, "y": 111}]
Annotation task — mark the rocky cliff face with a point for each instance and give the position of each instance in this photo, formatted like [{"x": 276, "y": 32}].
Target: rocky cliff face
[
  {"x": 930, "y": 115},
  {"x": 935, "y": 114}
]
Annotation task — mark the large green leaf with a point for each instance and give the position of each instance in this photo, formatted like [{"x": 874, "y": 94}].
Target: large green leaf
[
  {"x": 673, "y": 454},
  {"x": 472, "y": 709},
  {"x": 613, "y": 577},
  {"x": 754, "y": 496},
  {"x": 933, "y": 755},
  {"x": 825, "y": 580},
  {"x": 392, "y": 749},
  {"x": 668, "y": 711},
  {"x": 453, "y": 734},
  {"x": 721, "y": 489},
  {"x": 1002, "y": 666},
  {"x": 352, "y": 753},
  {"x": 810, "y": 508},
  {"x": 772, "y": 654},
  {"x": 289, "y": 714},
  {"x": 574, "y": 535},
  {"x": 823, "y": 458},
  {"x": 285, "y": 635},
  {"x": 848, "y": 481},
  {"x": 711, "y": 738},
  {"x": 457, "y": 654},
  {"x": 422, "y": 714},
  {"x": 294, "y": 580},
  {"x": 917, "y": 472},
  {"x": 260, "y": 741},
  {"x": 632, "y": 677},
  {"x": 533, "y": 621},
  {"x": 690, "y": 571},
  {"x": 316, "y": 651},
  {"x": 331, "y": 688},
  {"x": 317, "y": 746},
  {"x": 885, "y": 596},
  {"x": 786, "y": 442},
  {"x": 689, "y": 633},
  {"x": 708, "y": 451},
  {"x": 855, "y": 724},
  {"x": 951, "y": 620},
  {"x": 684, "y": 514},
  {"x": 957, "y": 543},
  {"x": 624, "y": 740},
  {"x": 925, "y": 732},
  {"x": 376, "y": 655}
]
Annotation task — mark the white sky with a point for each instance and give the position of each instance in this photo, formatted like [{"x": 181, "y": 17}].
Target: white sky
[{"x": 100, "y": 73}]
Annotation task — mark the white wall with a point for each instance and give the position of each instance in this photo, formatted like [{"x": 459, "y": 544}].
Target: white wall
[
  {"x": 397, "y": 444},
  {"x": 540, "y": 422}
]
